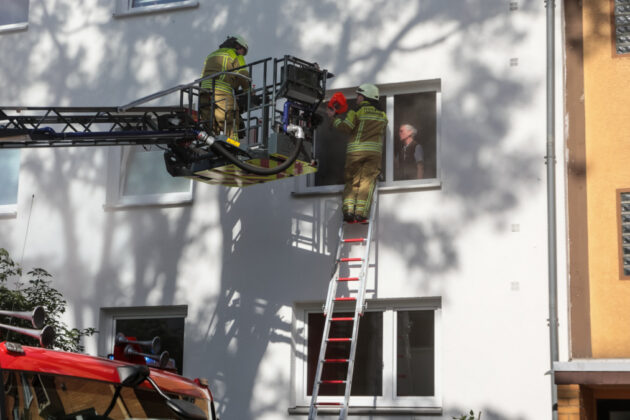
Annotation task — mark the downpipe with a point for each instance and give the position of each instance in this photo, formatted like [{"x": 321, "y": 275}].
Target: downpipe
[{"x": 550, "y": 160}]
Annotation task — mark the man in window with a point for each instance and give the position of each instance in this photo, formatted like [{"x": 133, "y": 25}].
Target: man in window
[
  {"x": 410, "y": 162},
  {"x": 363, "y": 154},
  {"x": 228, "y": 57}
]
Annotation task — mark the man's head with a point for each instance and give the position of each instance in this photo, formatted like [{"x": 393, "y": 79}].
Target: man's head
[{"x": 407, "y": 133}]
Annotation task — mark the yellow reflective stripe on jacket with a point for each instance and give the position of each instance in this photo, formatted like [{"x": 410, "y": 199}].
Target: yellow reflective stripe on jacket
[
  {"x": 365, "y": 146},
  {"x": 218, "y": 85},
  {"x": 348, "y": 122},
  {"x": 224, "y": 60},
  {"x": 367, "y": 125}
]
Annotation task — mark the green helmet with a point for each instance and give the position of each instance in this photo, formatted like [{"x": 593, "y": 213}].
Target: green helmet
[
  {"x": 368, "y": 90},
  {"x": 240, "y": 41}
]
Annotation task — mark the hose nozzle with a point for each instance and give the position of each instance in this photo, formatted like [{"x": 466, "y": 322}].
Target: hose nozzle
[
  {"x": 205, "y": 137},
  {"x": 296, "y": 130}
]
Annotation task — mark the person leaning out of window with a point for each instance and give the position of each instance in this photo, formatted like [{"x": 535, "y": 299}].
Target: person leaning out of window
[{"x": 410, "y": 162}]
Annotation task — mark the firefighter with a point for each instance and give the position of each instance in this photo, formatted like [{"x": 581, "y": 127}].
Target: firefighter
[
  {"x": 228, "y": 57},
  {"x": 363, "y": 154}
]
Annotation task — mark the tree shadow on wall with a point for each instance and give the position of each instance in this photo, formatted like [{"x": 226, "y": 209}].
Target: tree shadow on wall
[{"x": 258, "y": 230}]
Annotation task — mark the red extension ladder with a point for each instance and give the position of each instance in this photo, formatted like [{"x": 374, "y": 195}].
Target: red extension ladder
[{"x": 354, "y": 296}]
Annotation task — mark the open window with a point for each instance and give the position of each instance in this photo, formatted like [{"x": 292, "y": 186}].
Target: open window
[{"x": 415, "y": 104}]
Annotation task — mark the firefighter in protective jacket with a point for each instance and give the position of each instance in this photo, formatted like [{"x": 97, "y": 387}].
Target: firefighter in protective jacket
[
  {"x": 363, "y": 154},
  {"x": 228, "y": 57}
]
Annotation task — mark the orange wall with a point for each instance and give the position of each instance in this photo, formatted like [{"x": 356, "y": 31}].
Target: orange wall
[{"x": 607, "y": 110}]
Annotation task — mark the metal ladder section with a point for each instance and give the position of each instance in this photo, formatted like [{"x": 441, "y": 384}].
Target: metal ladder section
[{"x": 331, "y": 317}]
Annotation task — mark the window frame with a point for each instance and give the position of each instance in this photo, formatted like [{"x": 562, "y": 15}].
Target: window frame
[
  {"x": 389, "y": 90},
  {"x": 619, "y": 213},
  {"x": 109, "y": 316},
  {"x": 389, "y": 401},
  {"x": 9, "y": 211},
  {"x": 116, "y": 173},
  {"x": 614, "y": 37},
  {"x": 20, "y": 26},
  {"x": 124, "y": 7}
]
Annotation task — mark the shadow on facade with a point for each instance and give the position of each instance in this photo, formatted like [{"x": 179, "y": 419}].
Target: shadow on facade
[{"x": 264, "y": 240}]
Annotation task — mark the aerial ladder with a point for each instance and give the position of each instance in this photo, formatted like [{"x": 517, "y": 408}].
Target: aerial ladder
[
  {"x": 336, "y": 371},
  {"x": 279, "y": 114}
]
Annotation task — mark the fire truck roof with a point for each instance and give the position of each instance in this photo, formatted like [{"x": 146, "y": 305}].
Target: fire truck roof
[{"x": 53, "y": 362}]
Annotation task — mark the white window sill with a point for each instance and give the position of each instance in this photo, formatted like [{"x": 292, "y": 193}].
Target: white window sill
[
  {"x": 8, "y": 211},
  {"x": 354, "y": 410},
  {"x": 412, "y": 185},
  {"x": 156, "y": 9},
  {"x": 14, "y": 27},
  {"x": 156, "y": 200}
]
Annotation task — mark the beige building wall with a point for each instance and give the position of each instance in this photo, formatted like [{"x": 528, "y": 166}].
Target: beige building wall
[{"x": 607, "y": 150}]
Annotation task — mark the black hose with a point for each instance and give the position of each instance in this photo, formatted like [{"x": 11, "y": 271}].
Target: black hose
[{"x": 257, "y": 170}]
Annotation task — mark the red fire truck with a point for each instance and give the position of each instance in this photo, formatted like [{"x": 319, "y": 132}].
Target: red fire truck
[{"x": 39, "y": 383}]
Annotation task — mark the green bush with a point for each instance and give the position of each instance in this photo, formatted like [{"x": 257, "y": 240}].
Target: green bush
[
  {"x": 469, "y": 416},
  {"x": 36, "y": 291}
]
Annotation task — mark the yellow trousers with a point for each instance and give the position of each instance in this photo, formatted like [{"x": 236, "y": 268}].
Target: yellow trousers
[
  {"x": 226, "y": 113},
  {"x": 360, "y": 174}
]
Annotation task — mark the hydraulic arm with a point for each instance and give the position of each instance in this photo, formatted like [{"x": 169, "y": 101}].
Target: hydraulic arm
[{"x": 275, "y": 134}]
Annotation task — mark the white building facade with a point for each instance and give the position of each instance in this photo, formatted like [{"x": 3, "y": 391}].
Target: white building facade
[{"x": 460, "y": 259}]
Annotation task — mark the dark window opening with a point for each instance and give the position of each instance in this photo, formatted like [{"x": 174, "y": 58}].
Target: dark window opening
[
  {"x": 170, "y": 331},
  {"x": 367, "y": 379}
]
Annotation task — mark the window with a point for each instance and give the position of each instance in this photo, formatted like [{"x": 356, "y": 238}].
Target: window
[
  {"x": 622, "y": 26},
  {"x": 9, "y": 174},
  {"x": 396, "y": 360},
  {"x": 144, "y": 323},
  {"x": 623, "y": 223},
  {"x": 133, "y": 7},
  {"x": 137, "y": 176},
  {"x": 613, "y": 409},
  {"x": 415, "y": 105},
  {"x": 13, "y": 15},
  {"x": 366, "y": 381}
]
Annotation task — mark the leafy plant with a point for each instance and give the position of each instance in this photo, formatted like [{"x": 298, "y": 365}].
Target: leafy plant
[
  {"x": 36, "y": 291},
  {"x": 469, "y": 416}
]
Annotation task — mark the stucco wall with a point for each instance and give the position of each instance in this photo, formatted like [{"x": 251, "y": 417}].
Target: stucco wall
[{"x": 478, "y": 241}]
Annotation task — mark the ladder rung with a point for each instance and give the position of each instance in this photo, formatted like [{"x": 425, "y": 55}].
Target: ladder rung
[
  {"x": 336, "y": 360},
  {"x": 328, "y": 403},
  {"x": 362, "y": 222},
  {"x": 342, "y": 318},
  {"x": 333, "y": 381},
  {"x": 339, "y": 339},
  {"x": 354, "y": 240},
  {"x": 348, "y": 279},
  {"x": 343, "y": 299},
  {"x": 350, "y": 259}
]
